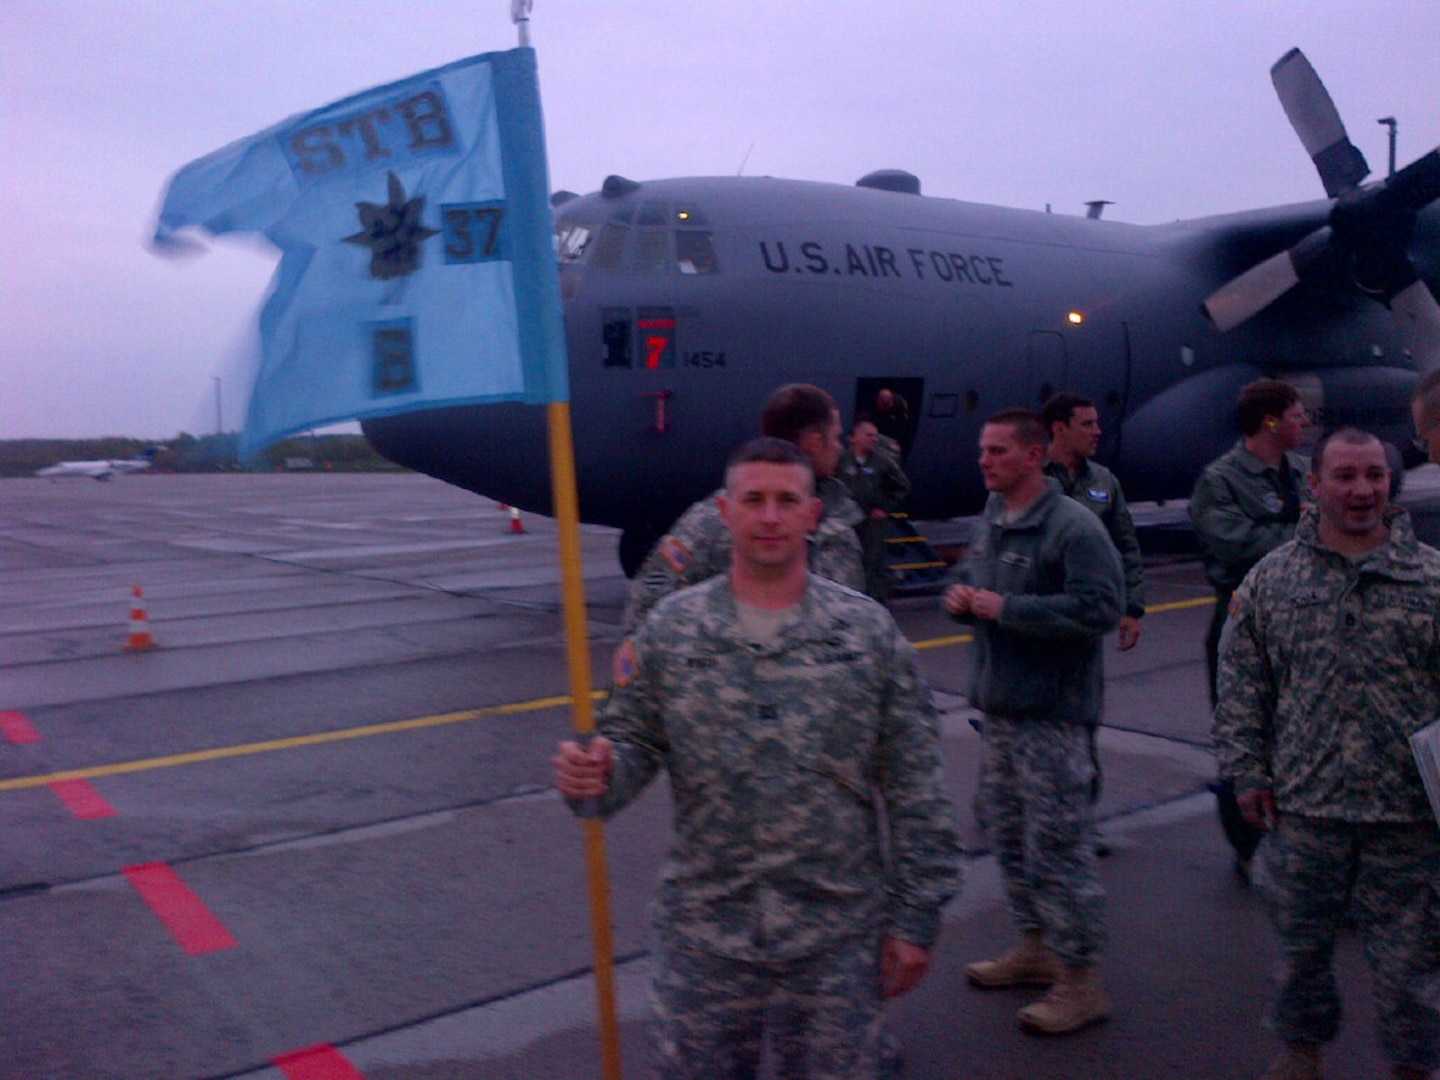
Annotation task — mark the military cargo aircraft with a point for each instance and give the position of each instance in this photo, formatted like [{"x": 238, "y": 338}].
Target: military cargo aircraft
[{"x": 687, "y": 301}]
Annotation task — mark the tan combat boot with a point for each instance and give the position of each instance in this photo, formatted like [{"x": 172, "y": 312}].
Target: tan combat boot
[
  {"x": 1300, "y": 1061},
  {"x": 1076, "y": 1000},
  {"x": 1031, "y": 963}
]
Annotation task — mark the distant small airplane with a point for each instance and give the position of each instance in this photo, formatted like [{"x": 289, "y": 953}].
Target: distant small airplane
[{"x": 102, "y": 470}]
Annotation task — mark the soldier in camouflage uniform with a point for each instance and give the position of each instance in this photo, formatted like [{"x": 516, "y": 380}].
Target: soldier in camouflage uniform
[
  {"x": 697, "y": 546},
  {"x": 1329, "y": 662},
  {"x": 1245, "y": 505},
  {"x": 792, "y": 719},
  {"x": 879, "y": 486},
  {"x": 1043, "y": 585}
]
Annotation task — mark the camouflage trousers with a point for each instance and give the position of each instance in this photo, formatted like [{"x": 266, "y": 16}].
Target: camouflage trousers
[
  {"x": 1388, "y": 875},
  {"x": 1035, "y": 784},
  {"x": 709, "y": 1014}
]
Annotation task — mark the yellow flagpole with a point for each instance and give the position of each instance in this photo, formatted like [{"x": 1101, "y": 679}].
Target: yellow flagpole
[{"x": 567, "y": 514}]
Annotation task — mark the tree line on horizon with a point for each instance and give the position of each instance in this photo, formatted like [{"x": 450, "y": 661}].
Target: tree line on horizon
[{"x": 187, "y": 453}]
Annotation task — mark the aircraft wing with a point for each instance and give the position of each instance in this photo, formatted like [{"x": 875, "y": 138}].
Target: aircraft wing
[{"x": 1227, "y": 245}]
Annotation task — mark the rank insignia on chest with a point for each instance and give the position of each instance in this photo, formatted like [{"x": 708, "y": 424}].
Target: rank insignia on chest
[
  {"x": 1014, "y": 558},
  {"x": 1272, "y": 502}
]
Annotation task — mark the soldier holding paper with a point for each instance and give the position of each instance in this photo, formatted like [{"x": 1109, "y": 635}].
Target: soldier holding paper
[{"x": 1329, "y": 663}]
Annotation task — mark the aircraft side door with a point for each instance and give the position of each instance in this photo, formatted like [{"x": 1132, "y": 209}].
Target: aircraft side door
[
  {"x": 894, "y": 403},
  {"x": 1046, "y": 366},
  {"x": 1092, "y": 359}
]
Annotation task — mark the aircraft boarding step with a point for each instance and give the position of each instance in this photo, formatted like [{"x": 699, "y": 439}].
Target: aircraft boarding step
[{"x": 915, "y": 569}]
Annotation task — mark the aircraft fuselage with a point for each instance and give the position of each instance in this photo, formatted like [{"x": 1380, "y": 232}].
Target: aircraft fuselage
[{"x": 688, "y": 301}]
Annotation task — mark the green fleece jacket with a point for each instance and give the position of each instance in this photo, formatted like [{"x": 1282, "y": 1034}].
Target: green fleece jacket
[{"x": 1063, "y": 587}]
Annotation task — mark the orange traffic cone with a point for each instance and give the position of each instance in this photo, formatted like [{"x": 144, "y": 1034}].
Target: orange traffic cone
[
  {"x": 516, "y": 525},
  {"x": 139, "y": 639}
]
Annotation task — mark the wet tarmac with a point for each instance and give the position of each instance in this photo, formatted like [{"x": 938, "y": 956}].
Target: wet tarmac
[{"x": 311, "y": 834}]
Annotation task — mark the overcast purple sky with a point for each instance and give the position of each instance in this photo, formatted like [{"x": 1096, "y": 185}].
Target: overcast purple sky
[{"x": 1164, "y": 107}]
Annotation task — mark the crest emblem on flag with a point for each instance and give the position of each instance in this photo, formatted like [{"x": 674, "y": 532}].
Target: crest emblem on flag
[{"x": 393, "y": 233}]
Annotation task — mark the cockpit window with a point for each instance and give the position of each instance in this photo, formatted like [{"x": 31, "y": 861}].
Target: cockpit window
[
  {"x": 650, "y": 251},
  {"x": 695, "y": 252},
  {"x": 645, "y": 248},
  {"x": 609, "y": 248},
  {"x": 573, "y": 240}
]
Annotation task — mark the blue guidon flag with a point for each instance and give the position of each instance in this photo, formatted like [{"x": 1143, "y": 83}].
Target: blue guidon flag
[{"x": 417, "y": 257}]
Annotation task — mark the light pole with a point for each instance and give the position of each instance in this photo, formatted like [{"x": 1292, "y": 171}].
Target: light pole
[{"x": 1389, "y": 121}]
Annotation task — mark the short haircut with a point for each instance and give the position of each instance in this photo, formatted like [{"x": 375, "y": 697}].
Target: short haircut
[
  {"x": 1427, "y": 393},
  {"x": 1350, "y": 436},
  {"x": 1027, "y": 425},
  {"x": 768, "y": 450},
  {"x": 1263, "y": 398},
  {"x": 861, "y": 418},
  {"x": 795, "y": 410},
  {"x": 1060, "y": 408}
]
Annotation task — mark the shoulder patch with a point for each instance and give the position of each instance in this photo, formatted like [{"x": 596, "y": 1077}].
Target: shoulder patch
[
  {"x": 1098, "y": 495},
  {"x": 676, "y": 554},
  {"x": 1272, "y": 502},
  {"x": 626, "y": 665}
]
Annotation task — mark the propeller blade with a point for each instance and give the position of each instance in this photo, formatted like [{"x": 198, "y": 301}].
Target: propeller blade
[
  {"x": 1313, "y": 116},
  {"x": 1251, "y": 292},
  {"x": 1418, "y": 314},
  {"x": 1264, "y": 283}
]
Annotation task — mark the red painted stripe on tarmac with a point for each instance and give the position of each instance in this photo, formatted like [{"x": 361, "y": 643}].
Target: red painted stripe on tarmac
[
  {"x": 84, "y": 801},
  {"x": 321, "y": 1062},
  {"x": 16, "y": 728},
  {"x": 192, "y": 923}
]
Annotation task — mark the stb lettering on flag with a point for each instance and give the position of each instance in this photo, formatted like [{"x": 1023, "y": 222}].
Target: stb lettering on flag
[{"x": 417, "y": 263}]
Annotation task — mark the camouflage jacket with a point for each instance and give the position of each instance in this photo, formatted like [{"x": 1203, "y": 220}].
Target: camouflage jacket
[
  {"x": 697, "y": 547},
  {"x": 1095, "y": 488},
  {"x": 1327, "y": 665},
  {"x": 1061, "y": 579},
  {"x": 878, "y": 483},
  {"x": 775, "y": 755},
  {"x": 1239, "y": 510}
]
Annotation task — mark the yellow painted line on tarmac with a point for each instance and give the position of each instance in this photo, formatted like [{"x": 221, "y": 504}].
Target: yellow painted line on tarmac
[
  {"x": 1180, "y": 605},
  {"x": 248, "y": 749},
  {"x": 418, "y": 723},
  {"x": 941, "y": 642}
]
